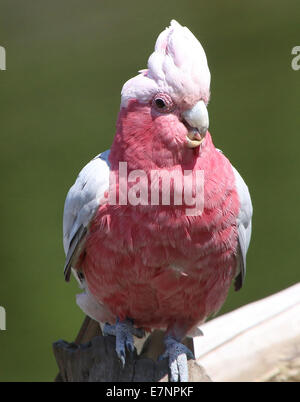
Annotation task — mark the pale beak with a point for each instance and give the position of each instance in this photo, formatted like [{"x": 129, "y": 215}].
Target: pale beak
[{"x": 196, "y": 120}]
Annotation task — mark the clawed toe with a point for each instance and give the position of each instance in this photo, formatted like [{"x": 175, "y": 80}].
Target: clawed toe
[
  {"x": 177, "y": 353},
  {"x": 123, "y": 331}
]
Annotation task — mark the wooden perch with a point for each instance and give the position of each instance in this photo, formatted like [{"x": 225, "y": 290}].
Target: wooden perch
[
  {"x": 252, "y": 343},
  {"x": 96, "y": 359}
]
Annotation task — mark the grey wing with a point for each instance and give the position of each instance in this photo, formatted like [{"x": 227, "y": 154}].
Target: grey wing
[
  {"x": 81, "y": 203},
  {"x": 244, "y": 227}
]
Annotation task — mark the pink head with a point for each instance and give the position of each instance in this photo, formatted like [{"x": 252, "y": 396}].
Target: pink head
[{"x": 163, "y": 115}]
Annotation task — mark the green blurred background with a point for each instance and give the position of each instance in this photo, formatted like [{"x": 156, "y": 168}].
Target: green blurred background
[{"x": 60, "y": 94}]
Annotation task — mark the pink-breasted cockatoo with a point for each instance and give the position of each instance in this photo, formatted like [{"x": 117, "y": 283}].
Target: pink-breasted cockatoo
[{"x": 143, "y": 259}]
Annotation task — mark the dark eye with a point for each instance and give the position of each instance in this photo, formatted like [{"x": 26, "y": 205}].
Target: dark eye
[
  {"x": 160, "y": 103},
  {"x": 163, "y": 102}
]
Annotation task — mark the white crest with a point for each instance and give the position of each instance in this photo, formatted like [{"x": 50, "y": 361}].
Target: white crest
[{"x": 178, "y": 66}]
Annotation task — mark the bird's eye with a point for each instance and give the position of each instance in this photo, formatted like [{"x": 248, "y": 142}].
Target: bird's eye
[{"x": 162, "y": 102}]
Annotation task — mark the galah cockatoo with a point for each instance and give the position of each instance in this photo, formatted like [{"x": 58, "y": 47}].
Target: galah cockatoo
[{"x": 144, "y": 259}]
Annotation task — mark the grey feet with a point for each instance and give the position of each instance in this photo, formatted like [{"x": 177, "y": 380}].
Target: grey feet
[
  {"x": 123, "y": 331},
  {"x": 177, "y": 353}
]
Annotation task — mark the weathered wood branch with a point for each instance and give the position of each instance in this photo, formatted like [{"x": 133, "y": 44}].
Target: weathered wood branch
[
  {"x": 254, "y": 341},
  {"x": 96, "y": 360}
]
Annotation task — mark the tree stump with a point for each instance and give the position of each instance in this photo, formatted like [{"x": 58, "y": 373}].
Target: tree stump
[{"x": 92, "y": 358}]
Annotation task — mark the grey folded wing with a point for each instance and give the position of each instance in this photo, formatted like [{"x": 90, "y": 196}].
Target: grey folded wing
[
  {"x": 244, "y": 224},
  {"x": 82, "y": 202}
]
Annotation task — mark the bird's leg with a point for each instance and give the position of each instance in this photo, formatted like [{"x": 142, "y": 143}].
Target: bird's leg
[
  {"x": 177, "y": 353},
  {"x": 123, "y": 331}
]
